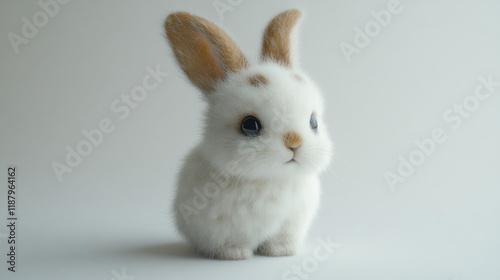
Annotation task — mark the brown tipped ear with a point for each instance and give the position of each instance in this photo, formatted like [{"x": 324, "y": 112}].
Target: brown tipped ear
[
  {"x": 277, "y": 38},
  {"x": 203, "y": 50}
]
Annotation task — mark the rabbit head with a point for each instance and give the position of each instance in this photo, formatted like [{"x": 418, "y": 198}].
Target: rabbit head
[{"x": 262, "y": 121}]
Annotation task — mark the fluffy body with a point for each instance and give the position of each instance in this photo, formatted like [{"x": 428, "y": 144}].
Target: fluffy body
[{"x": 254, "y": 189}]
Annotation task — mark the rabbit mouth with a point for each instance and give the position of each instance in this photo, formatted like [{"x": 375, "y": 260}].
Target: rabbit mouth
[{"x": 291, "y": 161}]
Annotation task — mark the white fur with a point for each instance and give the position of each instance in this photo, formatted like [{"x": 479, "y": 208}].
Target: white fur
[{"x": 236, "y": 194}]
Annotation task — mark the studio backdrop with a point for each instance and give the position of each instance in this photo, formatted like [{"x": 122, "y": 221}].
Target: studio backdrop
[{"x": 96, "y": 118}]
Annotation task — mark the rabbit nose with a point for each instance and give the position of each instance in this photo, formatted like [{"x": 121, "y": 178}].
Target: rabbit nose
[{"x": 292, "y": 140}]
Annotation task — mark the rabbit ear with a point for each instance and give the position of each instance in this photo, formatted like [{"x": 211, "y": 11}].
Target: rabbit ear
[
  {"x": 277, "y": 44},
  {"x": 203, "y": 50}
]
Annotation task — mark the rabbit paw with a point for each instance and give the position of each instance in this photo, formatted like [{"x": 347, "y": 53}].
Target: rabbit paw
[
  {"x": 277, "y": 249},
  {"x": 233, "y": 253}
]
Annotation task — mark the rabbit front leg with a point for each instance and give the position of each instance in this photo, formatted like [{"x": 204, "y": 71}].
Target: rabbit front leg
[
  {"x": 288, "y": 240},
  {"x": 290, "y": 236},
  {"x": 235, "y": 248}
]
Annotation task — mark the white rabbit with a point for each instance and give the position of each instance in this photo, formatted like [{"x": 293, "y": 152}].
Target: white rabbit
[{"x": 251, "y": 184}]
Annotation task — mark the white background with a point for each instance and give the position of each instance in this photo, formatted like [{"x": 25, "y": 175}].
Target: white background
[{"x": 112, "y": 211}]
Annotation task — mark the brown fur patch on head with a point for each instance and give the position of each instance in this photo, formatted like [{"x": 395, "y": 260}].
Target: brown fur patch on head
[
  {"x": 292, "y": 140},
  {"x": 298, "y": 77},
  {"x": 203, "y": 50},
  {"x": 276, "y": 45},
  {"x": 258, "y": 80},
  {"x": 221, "y": 218}
]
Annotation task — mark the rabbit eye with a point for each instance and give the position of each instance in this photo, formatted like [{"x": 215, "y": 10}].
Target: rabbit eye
[
  {"x": 313, "y": 122},
  {"x": 250, "y": 126}
]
